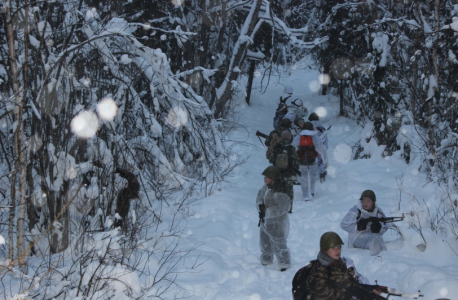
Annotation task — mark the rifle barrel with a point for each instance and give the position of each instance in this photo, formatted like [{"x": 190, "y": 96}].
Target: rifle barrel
[{"x": 258, "y": 133}]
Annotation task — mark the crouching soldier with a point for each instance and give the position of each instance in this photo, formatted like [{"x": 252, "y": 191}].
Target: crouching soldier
[
  {"x": 273, "y": 205},
  {"x": 327, "y": 278},
  {"x": 362, "y": 232}
]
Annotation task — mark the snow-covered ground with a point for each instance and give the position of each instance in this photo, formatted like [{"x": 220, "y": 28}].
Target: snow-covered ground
[{"x": 225, "y": 223}]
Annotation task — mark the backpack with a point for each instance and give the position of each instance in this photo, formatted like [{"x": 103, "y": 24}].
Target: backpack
[
  {"x": 306, "y": 150},
  {"x": 282, "y": 110},
  {"x": 279, "y": 115},
  {"x": 274, "y": 138},
  {"x": 281, "y": 158},
  {"x": 300, "y": 291}
]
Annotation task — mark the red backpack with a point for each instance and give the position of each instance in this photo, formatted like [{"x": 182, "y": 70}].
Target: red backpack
[{"x": 306, "y": 150}]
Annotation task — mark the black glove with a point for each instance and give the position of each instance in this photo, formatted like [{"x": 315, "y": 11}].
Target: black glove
[
  {"x": 361, "y": 225},
  {"x": 323, "y": 177},
  {"x": 376, "y": 227}
]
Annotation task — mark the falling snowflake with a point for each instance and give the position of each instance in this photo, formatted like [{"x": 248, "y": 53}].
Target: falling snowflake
[
  {"x": 107, "y": 109},
  {"x": 85, "y": 124}
]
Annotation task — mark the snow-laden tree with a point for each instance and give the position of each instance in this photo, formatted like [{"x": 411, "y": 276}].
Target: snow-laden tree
[{"x": 85, "y": 98}]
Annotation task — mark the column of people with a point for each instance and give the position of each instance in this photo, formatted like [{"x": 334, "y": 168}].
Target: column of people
[{"x": 297, "y": 150}]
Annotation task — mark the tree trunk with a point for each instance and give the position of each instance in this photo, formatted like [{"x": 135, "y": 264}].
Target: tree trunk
[
  {"x": 431, "y": 133},
  {"x": 225, "y": 90},
  {"x": 250, "y": 80},
  {"x": 341, "y": 97},
  {"x": 18, "y": 134}
]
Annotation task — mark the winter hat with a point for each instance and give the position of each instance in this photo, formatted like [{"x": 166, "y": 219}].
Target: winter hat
[
  {"x": 314, "y": 117},
  {"x": 286, "y": 136},
  {"x": 288, "y": 90},
  {"x": 297, "y": 102},
  {"x": 290, "y": 116},
  {"x": 308, "y": 126},
  {"x": 286, "y": 123}
]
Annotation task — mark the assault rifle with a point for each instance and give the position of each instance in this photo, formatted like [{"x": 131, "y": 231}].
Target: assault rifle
[
  {"x": 260, "y": 134},
  {"x": 262, "y": 213},
  {"x": 365, "y": 292},
  {"x": 384, "y": 220},
  {"x": 391, "y": 291}
]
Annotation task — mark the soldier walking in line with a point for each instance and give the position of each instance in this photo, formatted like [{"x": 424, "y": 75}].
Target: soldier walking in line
[
  {"x": 285, "y": 157},
  {"x": 308, "y": 146},
  {"x": 273, "y": 205}
]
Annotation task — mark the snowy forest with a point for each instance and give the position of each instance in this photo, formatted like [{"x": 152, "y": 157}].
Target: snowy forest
[{"x": 115, "y": 115}]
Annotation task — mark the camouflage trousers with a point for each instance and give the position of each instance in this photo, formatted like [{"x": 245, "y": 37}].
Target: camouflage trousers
[{"x": 288, "y": 181}]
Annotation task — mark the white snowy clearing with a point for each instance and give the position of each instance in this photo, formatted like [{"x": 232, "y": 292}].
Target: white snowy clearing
[{"x": 225, "y": 223}]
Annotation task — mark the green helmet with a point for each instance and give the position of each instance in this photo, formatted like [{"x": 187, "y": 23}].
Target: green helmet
[
  {"x": 308, "y": 126},
  {"x": 314, "y": 117},
  {"x": 329, "y": 240},
  {"x": 298, "y": 122},
  {"x": 369, "y": 194},
  {"x": 272, "y": 172}
]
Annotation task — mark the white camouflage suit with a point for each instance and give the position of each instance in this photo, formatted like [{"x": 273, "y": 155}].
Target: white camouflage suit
[
  {"x": 309, "y": 172},
  {"x": 365, "y": 239},
  {"x": 275, "y": 228},
  {"x": 324, "y": 137}
]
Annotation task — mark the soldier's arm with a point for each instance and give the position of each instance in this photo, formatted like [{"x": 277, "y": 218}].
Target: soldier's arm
[
  {"x": 348, "y": 222},
  {"x": 260, "y": 196},
  {"x": 294, "y": 157},
  {"x": 320, "y": 148}
]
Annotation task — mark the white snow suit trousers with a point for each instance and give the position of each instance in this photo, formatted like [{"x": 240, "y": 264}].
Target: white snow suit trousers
[
  {"x": 308, "y": 180},
  {"x": 273, "y": 242},
  {"x": 372, "y": 241}
]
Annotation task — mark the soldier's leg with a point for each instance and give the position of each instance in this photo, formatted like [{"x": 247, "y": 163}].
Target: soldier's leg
[
  {"x": 278, "y": 236},
  {"x": 305, "y": 182},
  {"x": 371, "y": 241},
  {"x": 313, "y": 177},
  {"x": 265, "y": 245},
  {"x": 376, "y": 244}
]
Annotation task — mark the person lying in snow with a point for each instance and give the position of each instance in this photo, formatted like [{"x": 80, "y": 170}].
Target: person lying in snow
[
  {"x": 363, "y": 233},
  {"x": 273, "y": 205}
]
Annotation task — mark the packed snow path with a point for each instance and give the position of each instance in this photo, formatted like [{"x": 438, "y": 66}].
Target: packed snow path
[{"x": 225, "y": 224}]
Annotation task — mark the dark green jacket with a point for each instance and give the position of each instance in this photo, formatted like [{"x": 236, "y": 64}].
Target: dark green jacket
[{"x": 329, "y": 279}]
